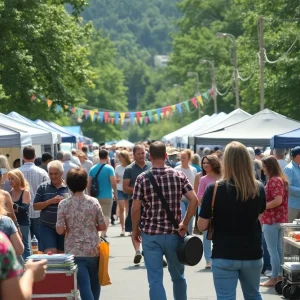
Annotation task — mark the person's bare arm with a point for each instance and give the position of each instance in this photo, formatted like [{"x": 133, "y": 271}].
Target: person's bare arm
[
  {"x": 113, "y": 182},
  {"x": 9, "y": 206},
  {"x": 135, "y": 216},
  {"x": 275, "y": 202},
  {"x": 26, "y": 197},
  {"x": 202, "y": 224},
  {"x": 126, "y": 187},
  {"x": 17, "y": 243},
  {"x": 44, "y": 204}
]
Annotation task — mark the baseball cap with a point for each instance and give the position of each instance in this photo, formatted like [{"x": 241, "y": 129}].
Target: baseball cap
[
  {"x": 295, "y": 151},
  {"x": 3, "y": 171}
]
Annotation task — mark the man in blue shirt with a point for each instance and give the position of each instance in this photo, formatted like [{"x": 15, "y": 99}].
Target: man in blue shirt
[
  {"x": 292, "y": 170},
  {"x": 107, "y": 184}
]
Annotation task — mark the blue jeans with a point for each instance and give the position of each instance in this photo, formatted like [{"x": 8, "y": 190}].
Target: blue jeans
[
  {"x": 26, "y": 239},
  {"x": 184, "y": 206},
  {"x": 226, "y": 274},
  {"x": 154, "y": 247},
  {"x": 272, "y": 234},
  {"x": 206, "y": 247},
  {"x": 87, "y": 277},
  {"x": 35, "y": 230},
  {"x": 267, "y": 260}
]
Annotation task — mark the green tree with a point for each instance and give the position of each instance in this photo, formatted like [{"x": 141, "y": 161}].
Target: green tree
[{"x": 45, "y": 53}]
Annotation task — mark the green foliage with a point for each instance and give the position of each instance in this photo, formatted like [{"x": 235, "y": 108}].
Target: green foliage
[
  {"x": 281, "y": 28},
  {"x": 44, "y": 54}
]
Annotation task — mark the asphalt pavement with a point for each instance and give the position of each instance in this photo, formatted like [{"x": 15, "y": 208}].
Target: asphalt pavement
[{"x": 130, "y": 281}]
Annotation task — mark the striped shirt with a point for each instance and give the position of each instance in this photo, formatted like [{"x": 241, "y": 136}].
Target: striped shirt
[
  {"x": 35, "y": 176},
  {"x": 174, "y": 185},
  {"x": 45, "y": 192}
]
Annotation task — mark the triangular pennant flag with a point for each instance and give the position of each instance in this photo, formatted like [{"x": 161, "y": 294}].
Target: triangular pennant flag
[
  {"x": 169, "y": 110},
  {"x": 155, "y": 117},
  {"x": 146, "y": 119},
  {"x": 161, "y": 115},
  {"x": 150, "y": 115},
  {"x": 173, "y": 108},
  {"x": 194, "y": 102},
  {"x": 117, "y": 116},
  {"x": 164, "y": 110},
  {"x": 42, "y": 97},
  {"x": 158, "y": 112},
  {"x": 112, "y": 114},
  {"x": 49, "y": 102},
  {"x": 66, "y": 107},
  {"x": 187, "y": 106},
  {"x": 199, "y": 98},
  {"x": 138, "y": 116},
  {"x": 86, "y": 113},
  {"x": 73, "y": 110},
  {"x": 141, "y": 121},
  {"x": 179, "y": 108},
  {"x": 101, "y": 116},
  {"x": 205, "y": 95},
  {"x": 33, "y": 97},
  {"x": 79, "y": 112},
  {"x": 143, "y": 113},
  {"x": 132, "y": 117},
  {"x": 122, "y": 117},
  {"x": 92, "y": 113},
  {"x": 106, "y": 115},
  {"x": 112, "y": 120},
  {"x": 58, "y": 108}
]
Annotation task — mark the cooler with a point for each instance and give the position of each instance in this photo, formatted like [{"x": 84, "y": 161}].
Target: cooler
[{"x": 57, "y": 285}]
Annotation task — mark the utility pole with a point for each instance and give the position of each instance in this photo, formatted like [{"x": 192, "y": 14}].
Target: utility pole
[
  {"x": 191, "y": 74},
  {"x": 262, "y": 62}
]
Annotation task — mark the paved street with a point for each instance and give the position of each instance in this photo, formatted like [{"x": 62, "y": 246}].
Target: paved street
[{"x": 130, "y": 282}]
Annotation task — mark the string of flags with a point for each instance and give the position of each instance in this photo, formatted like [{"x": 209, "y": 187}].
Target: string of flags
[{"x": 130, "y": 117}]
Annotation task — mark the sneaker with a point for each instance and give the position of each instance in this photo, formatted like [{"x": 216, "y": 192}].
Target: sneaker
[
  {"x": 208, "y": 265},
  {"x": 122, "y": 233},
  {"x": 165, "y": 264},
  {"x": 268, "y": 273},
  {"x": 137, "y": 258}
]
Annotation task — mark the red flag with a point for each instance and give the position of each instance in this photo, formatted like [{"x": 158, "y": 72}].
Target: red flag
[
  {"x": 138, "y": 116},
  {"x": 194, "y": 101},
  {"x": 164, "y": 110},
  {"x": 106, "y": 116}
]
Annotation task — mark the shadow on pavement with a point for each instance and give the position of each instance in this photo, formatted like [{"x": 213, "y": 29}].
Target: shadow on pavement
[{"x": 135, "y": 267}]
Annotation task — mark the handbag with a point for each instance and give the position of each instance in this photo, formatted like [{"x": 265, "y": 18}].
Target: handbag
[
  {"x": 104, "y": 278},
  {"x": 190, "y": 249},
  {"x": 211, "y": 224},
  {"x": 95, "y": 186}
]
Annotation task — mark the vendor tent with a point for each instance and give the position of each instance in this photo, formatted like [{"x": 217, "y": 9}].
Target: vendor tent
[
  {"x": 66, "y": 137},
  {"x": 125, "y": 144},
  {"x": 13, "y": 138},
  {"x": 286, "y": 140},
  {"x": 254, "y": 131},
  {"x": 39, "y": 136},
  {"x": 77, "y": 131},
  {"x": 214, "y": 121},
  {"x": 174, "y": 136}
]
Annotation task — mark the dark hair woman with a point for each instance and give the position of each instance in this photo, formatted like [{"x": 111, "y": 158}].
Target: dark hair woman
[
  {"x": 81, "y": 217},
  {"x": 276, "y": 212}
]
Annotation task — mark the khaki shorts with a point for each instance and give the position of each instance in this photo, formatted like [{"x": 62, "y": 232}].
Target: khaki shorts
[{"x": 106, "y": 205}]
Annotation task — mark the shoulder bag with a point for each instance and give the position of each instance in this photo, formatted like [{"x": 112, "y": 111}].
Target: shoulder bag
[
  {"x": 190, "y": 250},
  {"x": 95, "y": 186},
  {"x": 211, "y": 225}
]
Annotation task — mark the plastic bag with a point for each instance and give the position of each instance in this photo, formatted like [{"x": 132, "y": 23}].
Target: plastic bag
[{"x": 104, "y": 278}]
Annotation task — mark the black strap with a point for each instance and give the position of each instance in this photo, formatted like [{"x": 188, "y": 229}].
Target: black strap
[
  {"x": 99, "y": 171},
  {"x": 161, "y": 197}
]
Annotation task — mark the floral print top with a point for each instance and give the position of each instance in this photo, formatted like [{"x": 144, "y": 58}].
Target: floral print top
[
  {"x": 275, "y": 187},
  {"x": 10, "y": 266},
  {"x": 81, "y": 215}
]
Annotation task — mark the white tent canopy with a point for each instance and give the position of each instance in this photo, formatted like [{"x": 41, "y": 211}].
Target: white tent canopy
[
  {"x": 254, "y": 131},
  {"x": 213, "y": 121},
  {"x": 172, "y": 137},
  {"x": 125, "y": 144},
  {"x": 13, "y": 138},
  {"x": 39, "y": 136}
]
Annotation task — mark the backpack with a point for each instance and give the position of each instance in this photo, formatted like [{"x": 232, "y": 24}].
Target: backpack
[{"x": 95, "y": 186}]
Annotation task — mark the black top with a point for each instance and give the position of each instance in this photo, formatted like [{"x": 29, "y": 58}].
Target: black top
[
  {"x": 23, "y": 211},
  {"x": 238, "y": 234}
]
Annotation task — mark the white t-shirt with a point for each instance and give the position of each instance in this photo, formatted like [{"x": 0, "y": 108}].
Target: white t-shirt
[
  {"x": 87, "y": 165},
  {"x": 119, "y": 170},
  {"x": 190, "y": 173}
]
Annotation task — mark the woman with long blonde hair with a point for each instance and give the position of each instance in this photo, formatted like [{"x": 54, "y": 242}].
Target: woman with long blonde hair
[
  {"x": 237, "y": 238},
  {"x": 124, "y": 159},
  {"x": 20, "y": 195}
]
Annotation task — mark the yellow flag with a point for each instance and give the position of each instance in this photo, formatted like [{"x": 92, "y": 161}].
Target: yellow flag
[
  {"x": 122, "y": 117},
  {"x": 199, "y": 98},
  {"x": 92, "y": 113},
  {"x": 173, "y": 108}
]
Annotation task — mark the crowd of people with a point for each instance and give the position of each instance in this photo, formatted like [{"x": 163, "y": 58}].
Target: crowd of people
[{"x": 50, "y": 199}]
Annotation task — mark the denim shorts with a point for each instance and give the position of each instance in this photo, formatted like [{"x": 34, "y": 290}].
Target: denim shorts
[
  {"x": 122, "y": 195},
  {"x": 49, "y": 238}
]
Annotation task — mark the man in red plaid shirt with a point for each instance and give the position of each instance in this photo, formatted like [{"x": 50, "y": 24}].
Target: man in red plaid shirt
[{"x": 153, "y": 228}]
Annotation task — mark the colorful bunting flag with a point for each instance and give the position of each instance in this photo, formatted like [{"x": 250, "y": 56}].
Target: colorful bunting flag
[
  {"x": 199, "y": 98},
  {"x": 179, "y": 108},
  {"x": 138, "y": 116},
  {"x": 106, "y": 116},
  {"x": 49, "y": 102},
  {"x": 187, "y": 105},
  {"x": 122, "y": 117},
  {"x": 58, "y": 108},
  {"x": 101, "y": 116},
  {"x": 117, "y": 116},
  {"x": 194, "y": 102},
  {"x": 205, "y": 96},
  {"x": 86, "y": 113}
]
